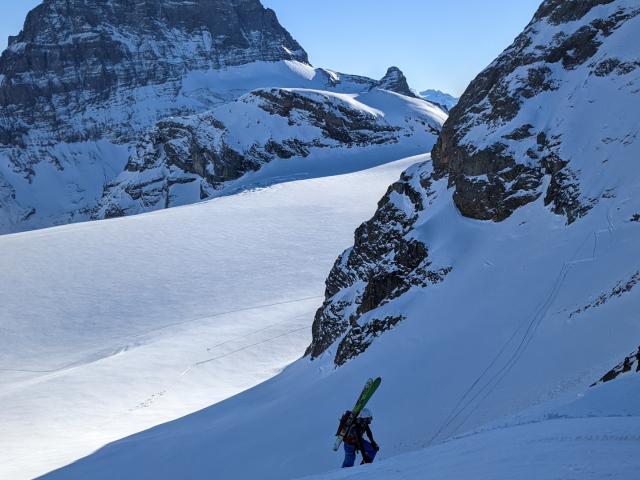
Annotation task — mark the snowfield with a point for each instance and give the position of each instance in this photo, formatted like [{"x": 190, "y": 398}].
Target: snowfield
[
  {"x": 506, "y": 332},
  {"x": 112, "y": 327}
]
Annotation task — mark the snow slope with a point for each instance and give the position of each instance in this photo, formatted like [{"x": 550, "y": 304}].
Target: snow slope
[
  {"x": 186, "y": 159},
  {"x": 111, "y": 327}
]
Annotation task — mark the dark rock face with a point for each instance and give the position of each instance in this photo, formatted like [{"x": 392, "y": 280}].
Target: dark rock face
[
  {"x": 630, "y": 364},
  {"x": 339, "y": 122},
  {"x": 73, "y": 54},
  {"x": 563, "y": 11},
  {"x": 384, "y": 263},
  {"x": 491, "y": 176},
  {"x": 395, "y": 81}
]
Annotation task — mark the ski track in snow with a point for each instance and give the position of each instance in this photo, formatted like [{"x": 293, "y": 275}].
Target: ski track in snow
[
  {"x": 532, "y": 325},
  {"x": 78, "y": 373}
]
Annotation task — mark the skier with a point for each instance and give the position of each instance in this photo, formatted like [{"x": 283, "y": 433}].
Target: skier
[{"x": 354, "y": 441}]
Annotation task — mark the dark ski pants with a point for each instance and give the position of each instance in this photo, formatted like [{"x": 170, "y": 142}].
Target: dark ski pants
[{"x": 350, "y": 453}]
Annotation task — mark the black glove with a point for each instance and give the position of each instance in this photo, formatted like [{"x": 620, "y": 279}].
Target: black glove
[{"x": 375, "y": 446}]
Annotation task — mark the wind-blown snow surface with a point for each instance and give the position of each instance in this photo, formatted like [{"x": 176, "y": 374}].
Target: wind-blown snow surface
[{"x": 111, "y": 327}]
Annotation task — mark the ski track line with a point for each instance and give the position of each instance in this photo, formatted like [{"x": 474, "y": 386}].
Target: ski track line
[
  {"x": 114, "y": 352},
  {"x": 197, "y": 364},
  {"x": 527, "y": 339},
  {"x": 238, "y": 337},
  {"x": 539, "y": 316},
  {"x": 461, "y": 406},
  {"x": 515, "y": 358},
  {"x": 532, "y": 326},
  {"x": 150, "y": 399}
]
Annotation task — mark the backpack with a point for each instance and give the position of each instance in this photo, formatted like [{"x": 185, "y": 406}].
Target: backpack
[{"x": 350, "y": 437}]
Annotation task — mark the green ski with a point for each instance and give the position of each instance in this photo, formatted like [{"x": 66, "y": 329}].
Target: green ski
[{"x": 367, "y": 392}]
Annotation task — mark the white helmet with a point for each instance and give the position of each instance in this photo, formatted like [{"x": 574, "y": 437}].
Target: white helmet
[{"x": 366, "y": 413}]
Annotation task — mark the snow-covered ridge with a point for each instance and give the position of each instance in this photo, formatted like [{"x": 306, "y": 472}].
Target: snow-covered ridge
[
  {"x": 440, "y": 98},
  {"x": 188, "y": 159}
]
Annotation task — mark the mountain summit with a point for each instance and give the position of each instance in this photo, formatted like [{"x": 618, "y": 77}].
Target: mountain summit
[
  {"x": 395, "y": 81},
  {"x": 73, "y": 55}
]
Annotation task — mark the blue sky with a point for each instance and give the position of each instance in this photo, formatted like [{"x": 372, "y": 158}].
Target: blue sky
[{"x": 437, "y": 43}]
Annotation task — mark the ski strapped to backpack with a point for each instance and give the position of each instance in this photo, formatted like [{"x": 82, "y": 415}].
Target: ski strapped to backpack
[{"x": 347, "y": 421}]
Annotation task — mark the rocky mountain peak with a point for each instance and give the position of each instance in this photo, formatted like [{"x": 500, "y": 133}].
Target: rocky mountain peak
[
  {"x": 395, "y": 81},
  {"x": 74, "y": 53},
  {"x": 84, "y": 79}
]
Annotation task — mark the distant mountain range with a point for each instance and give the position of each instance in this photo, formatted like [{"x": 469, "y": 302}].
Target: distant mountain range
[{"x": 440, "y": 98}]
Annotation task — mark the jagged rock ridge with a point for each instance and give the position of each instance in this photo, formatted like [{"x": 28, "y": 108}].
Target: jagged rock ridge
[{"x": 384, "y": 263}]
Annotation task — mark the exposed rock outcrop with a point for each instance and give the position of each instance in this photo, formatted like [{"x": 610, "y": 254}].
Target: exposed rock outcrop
[
  {"x": 493, "y": 150},
  {"x": 395, "y": 81},
  {"x": 631, "y": 363},
  {"x": 384, "y": 263},
  {"x": 186, "y": 159},
  {"x": 74, "y": 56}
]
